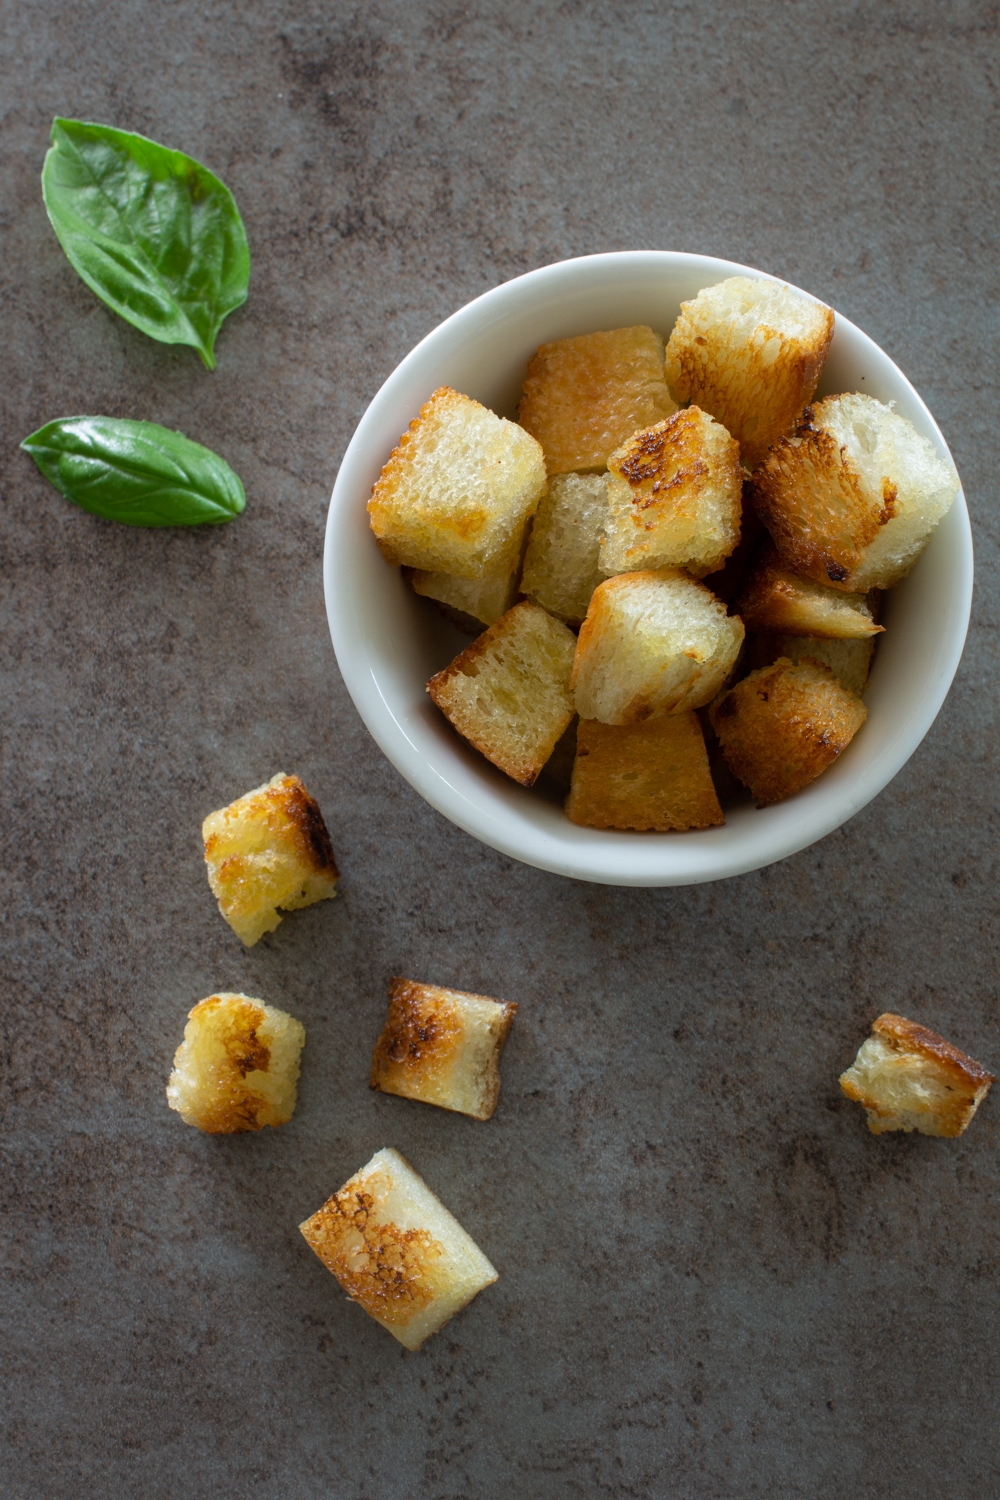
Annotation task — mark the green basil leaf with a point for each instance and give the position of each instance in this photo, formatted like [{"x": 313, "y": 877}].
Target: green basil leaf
[
  {"x": 136, "y": 472},
  {"x": 156, "y": 235}
]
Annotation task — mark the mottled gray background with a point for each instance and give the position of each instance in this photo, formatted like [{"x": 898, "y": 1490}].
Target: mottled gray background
[{"x": 714, "y": 1282}]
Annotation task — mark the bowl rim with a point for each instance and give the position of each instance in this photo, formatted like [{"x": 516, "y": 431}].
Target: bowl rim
[{"x": 490, "y": 827}]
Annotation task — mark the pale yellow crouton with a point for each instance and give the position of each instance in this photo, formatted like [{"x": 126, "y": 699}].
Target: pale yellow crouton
[
  {"x": 561, "y": 566},
  {"x": 674, "y": 497},
  {"x": 584, "y": 396},
  {"x": 653, "y": 642},
  {"x": 849, "y": 661},
  {"x": 508, "y": 693},
  {"x": 482, "y": 599},
  {"x": 852, "y": 498},
  {"x": 397, "y": 1251},
  {"x": 783, "y": 725},
  {"x": 750, "y": 353},
  {"x": 442, "y": 1047},
  {"x": 643, "y": 776},
  {"x": 269, "y": 849},
  {"x": 458, "y": 489},
  {"x": 775, "y": 599},
  {"x": 237, "y": 1066},
  {"x": 909, "y": 1078}
]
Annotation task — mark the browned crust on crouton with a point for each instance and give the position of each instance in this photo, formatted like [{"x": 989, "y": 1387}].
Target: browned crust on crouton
[
  {"x": 421, "y": 1035},
  {"x": 907, "y": 1036},
  {"x": 775, "y": 600},
  {"x": 291, "y": 799},
  {"x": 645, "y": 777},
  {"x": 388, "y": 1270},
  {"x": 230, "y": 1109},
  {"x": 965, "y": 1082}
]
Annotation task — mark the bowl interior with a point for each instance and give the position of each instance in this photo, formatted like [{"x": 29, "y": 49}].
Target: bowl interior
[{"x": 388, "y": 642}]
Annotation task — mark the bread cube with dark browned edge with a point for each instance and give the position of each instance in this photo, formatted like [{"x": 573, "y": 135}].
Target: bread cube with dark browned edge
[
  {"x": 909, "y": 1078},
  {"x": 266, "y": 850},
  {"x": 643, "y": 776},
  {"x": 653, "y": 642},
  {"x": 442, "y": 1047},
  {"x": 778, "y": 601},
  {"x": 237, "y": 1067},
  {"x": 397, "y": 1251},
  {"x": 458, "y": 489},
  {"x": 584, "y": 396},
  {"x": 508, "y": 692},
  {"x": 783, "y": 725},
  {"x": 562, "y": 564},
  {"x": 849, "y": 661},
  {"x": 851, "y": 499},
  {"x": 674, "y": 497},
  {"x": 750, "y": 353}
]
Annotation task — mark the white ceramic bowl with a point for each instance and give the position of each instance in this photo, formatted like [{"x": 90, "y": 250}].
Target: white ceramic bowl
[{"x": 389, "y": 642}]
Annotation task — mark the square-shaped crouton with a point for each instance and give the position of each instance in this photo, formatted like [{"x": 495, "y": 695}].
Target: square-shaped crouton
[
  {"x": 482, "y": 599},
  {"x": 508, "y": 693},
  {"x": 849, "y": 661},
  {"x": 237, "y": 1067},
  {"x": 750, "y": 353},
  {"x": 397, "y": 1251},
  {"x": 561, "y": 566},
  {"x": 674, "y": 497},
  {"x": 653, "y": 643},
  {"x": 443, "y": 1047},
  {"x": 776, "y": 600},
  {"x": 584, "y": 396},
  {"x": 266, "y": 850},
  {"x": 783, "y": 725},
  {"x": 457, "y": 490},
  {"x": 909, "y": 1078},
  {"x": 852, "y": 498},
  {"x": 643, "y": 776}
]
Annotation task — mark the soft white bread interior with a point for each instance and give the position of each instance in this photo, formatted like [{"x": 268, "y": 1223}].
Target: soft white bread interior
[
  {"x": 237, "y": 1067},
  {"x": 849, "y": 661},
  {"x": 775, "y": 599},
  {"x": 561, "y": 566},
  {"x": 909, "y": 1078},
  {"x": 643, "y": 776}
]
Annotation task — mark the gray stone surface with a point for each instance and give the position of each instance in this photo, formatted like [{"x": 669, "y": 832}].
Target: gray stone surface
[{"x": 714, "y": 1282}]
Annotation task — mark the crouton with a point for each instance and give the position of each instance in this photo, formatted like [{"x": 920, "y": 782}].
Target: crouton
[
  {"x": 643, "y": 776},
  {"x": 783, "y": 725},
  {"x": 674, "y": 497},
  {"x": 508, "y": 693},
  {"x": 653, "y": 642},
  {"x": 777, "y": 600},
  {"x": 457, "y": 490},
  {"x": 909, "y": 1078},
  {"x": 396, "y": 1250},
  {"x": 237, "y": 1067},
  {"x": 849, "y": 661},
  {"x": 442, "y": 1047},
  {"x": 584, "y": 396},
  {"x": 561, "y": 566},
  {"x": 852, "y": 498},
  {"x": 478, "y": 599},
  {"x": 266, "y": 850},
  {"x": 749, "y": 353}
]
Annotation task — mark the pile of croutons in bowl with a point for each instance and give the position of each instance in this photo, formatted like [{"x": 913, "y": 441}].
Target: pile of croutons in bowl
[{"x": 677, "y": 560}]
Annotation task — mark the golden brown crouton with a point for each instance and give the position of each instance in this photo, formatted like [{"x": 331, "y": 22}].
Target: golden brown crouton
[
  {"x": 774, "y": 599},
  {"x": 674, "y": 497},
  {"x": 266, "y": 850},
  {"x": 653, "y": 642},
  {"x": 909, "y": 1078},
  {"x": 457, "y": 490},
  {"x": 849, "y": 661},
  {"x": 643, "y": 776},
  {"x": 396, "y": 1250},
  {"x": 750, "y": 353},
  {"x": 443, "y": 1047},
  {"x": 852, "y": 498},
  {"x": 783, "y": 725},
  {"x": 508, "y": 693},
  {"x": 562, "y": 566},
  {"x": 478, "y": 599},
  {"x": 237, "y": 1067},
  {"x": 584, "y": 396}
]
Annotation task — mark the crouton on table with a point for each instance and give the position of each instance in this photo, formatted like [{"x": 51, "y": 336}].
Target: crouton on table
[
  {"x": 909, "y": 1078},
  {"x": 775, "y": 599},
  {"x": 849, "y": 661},
  {"x": 643, "y": 776},
  {"x": 237, "y": 1067},
  {"x": 562, "y": 564}
]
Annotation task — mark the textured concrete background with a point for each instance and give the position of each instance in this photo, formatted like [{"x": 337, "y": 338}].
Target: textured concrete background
[{"x": 714, "y": 1282}]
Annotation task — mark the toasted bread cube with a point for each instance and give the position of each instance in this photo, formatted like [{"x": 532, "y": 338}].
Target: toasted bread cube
[
  {"x": 584, "y": 396},
  {"x": 237, "y": 1067},
  {"x": 508, "y": 693},
  {"x": 909, "y": 1078},
  {"x": 852, "y": 498},
  {"x": 849, "y": 661},
  {"x": 750, "y": 353},
  {"x": 776, "y": 600},
  {"x": 654, "y": 642},
  {"x": 397, "y": 1251},
  {"x": 266, "y": 850},
  {"x": 443, "y": 1047},
  {"x": 783, "y": 725},
  {"x": 457, "y": 490},
  {"x": 482, "y": 599},
  {"x": 674, "y": 497},
  {"x": 561, "y": 565},
  {"x": 643, "y": 776}
]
